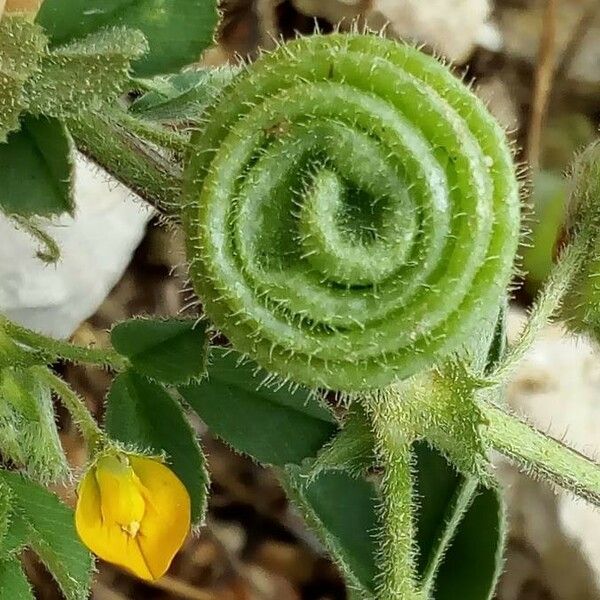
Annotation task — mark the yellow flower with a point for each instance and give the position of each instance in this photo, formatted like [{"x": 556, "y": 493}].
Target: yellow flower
[{"x": 134, "y": 512}]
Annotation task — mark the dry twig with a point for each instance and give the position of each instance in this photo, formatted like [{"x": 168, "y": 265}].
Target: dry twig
[{"x": 544, "y": 75}]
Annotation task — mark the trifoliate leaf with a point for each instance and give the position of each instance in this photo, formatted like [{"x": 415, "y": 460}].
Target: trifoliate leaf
[
  {"x": 85, "y": 74},
  {"x": 21, "y": 46},
  {"x": 142, "y": 414},
  {"x": 13, "y": 582},
  {"x": 274, "y": 425},
  {"x": 177, "y": 31},
  {"x": 36, "y": 169},
  {"x": 171, "y": 351},
  {"x": 49, "y": 530},
  {"x": 182, "y": 97}
]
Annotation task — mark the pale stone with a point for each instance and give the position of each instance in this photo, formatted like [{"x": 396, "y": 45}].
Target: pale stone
[
  {"x": 96, "y": 246},
  {"x": 451, "y": 27}
]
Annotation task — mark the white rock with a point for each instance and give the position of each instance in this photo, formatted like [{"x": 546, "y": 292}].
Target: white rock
[
  {"x": 333, "y": 10},
  {"x": 451, "y": 27},
  {"x": 96, "y": 245}
]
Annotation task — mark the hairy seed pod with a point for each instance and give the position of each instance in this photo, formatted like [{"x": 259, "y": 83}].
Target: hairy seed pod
[{"x": 352, "y": 212}]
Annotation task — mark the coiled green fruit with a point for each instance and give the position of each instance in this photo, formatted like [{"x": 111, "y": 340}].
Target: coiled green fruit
[{"x": 352, "y": 212}]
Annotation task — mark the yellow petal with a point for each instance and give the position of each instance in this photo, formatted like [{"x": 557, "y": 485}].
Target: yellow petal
[
  {"x": 121, "y": 495},
  {"x": 166, "y": 522},
  {"x": 134, "y": 513},
  {"x": 106, "y": 540}
]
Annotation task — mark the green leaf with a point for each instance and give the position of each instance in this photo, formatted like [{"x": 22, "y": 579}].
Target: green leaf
[
  {"x": 36, "y": 169},
  {"x": 170, "y": 351},
  {"x": 21, "y": 46},
  {"x": 474, "y": 560},
  {"x": 184, "y": 96},
  {"x": 352, "y": 449},
  {"x": 142, "y": 414},
  {"x": 48, "y": 526},
  {"x": 13, "y": 582},
  {"x": 452, "y": 513},
  {"x": 275, "y": 426},
  {"x": 13, "y": 530},
  {"x": 343, "y": 510},
  {"x": 5, "y": 513},
  {"x": 12, "y": 104},
  {"x": 85, "y": 75},
  {"x": 28, "y": 427},
  {"x": 436, "y": 486},
  {"x": 177, "y": 30},
  {"x": 17, "y": 535},
  {"x": 497, "y": 346},
  {"x": 455, "y": 516}
]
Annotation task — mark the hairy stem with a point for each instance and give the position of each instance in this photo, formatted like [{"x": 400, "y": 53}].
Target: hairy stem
[
  {"x": 157, "y": 134},
  {"x": 547, "y": 303},
  {"x": 52, "y": 349},
  {"x": 539, "y": 455},
  {"x": 49, "y": 251},
  {"x": 393, "y": 450},
  {"x": 141, "y": 167},
  {"x": 91, "y": 432}
]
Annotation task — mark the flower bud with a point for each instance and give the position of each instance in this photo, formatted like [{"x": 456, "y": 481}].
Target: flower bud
[
  {"x": 28, "y": 434},
  {"x": 134, "y": 512},
  {"x": 584, "y": 201},
  {"x": 581, "y": 309}
]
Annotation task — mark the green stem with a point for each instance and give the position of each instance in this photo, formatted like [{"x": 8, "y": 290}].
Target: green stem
[
  {"x": 52, "y": 349},
  {"x": 141, "y": 167},
  {"x": 162, "y": 137},
  {"x": 539, "y": 455},
  {"x": 13, "y": 355},
  {"x": 393, "y": 448},
  {"x": 91, "y": 432},
  {"x": 546, "y": 305}
]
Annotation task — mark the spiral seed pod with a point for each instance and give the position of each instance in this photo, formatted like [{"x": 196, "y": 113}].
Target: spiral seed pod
[{"x": 352, "y": 212}]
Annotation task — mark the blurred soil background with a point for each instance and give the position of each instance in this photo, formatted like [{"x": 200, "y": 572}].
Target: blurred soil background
[{"x": 537, "y": 64}]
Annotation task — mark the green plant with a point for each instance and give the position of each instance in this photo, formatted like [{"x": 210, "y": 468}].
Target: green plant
[{"x": 352, "y": 219}]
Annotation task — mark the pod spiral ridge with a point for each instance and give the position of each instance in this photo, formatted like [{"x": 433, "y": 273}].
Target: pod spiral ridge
[{"x": 352, "y": 212}]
